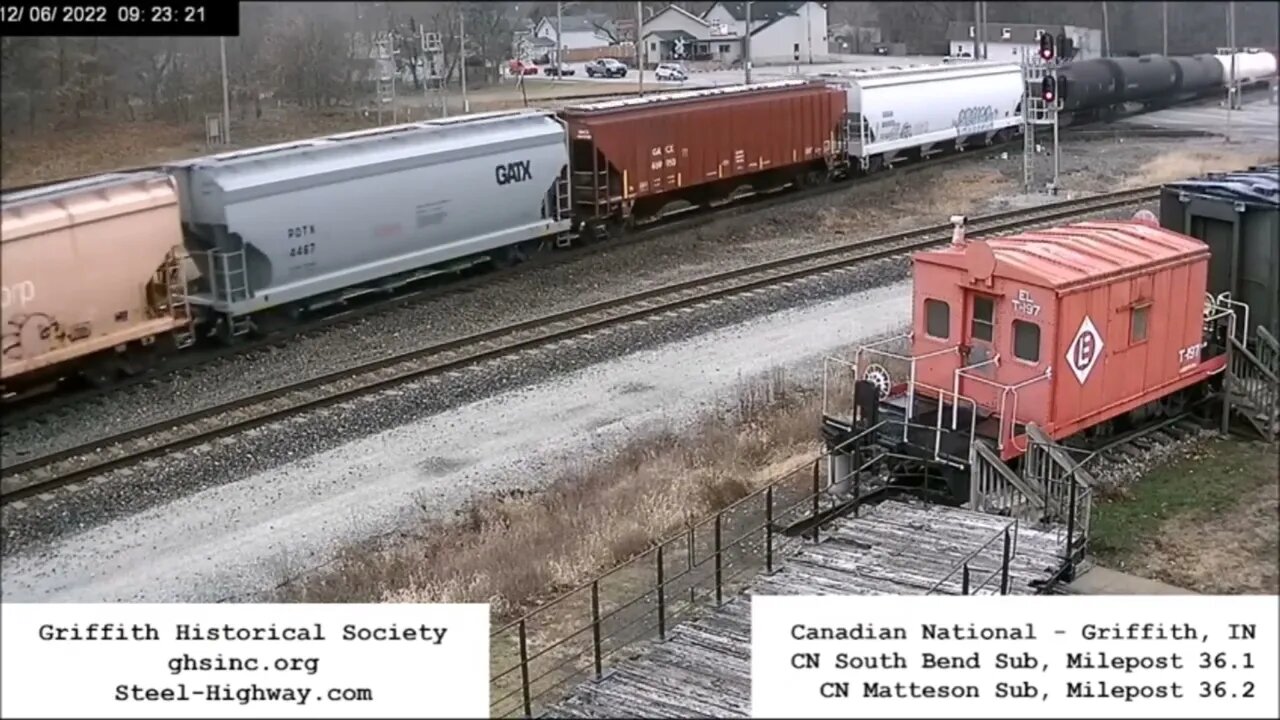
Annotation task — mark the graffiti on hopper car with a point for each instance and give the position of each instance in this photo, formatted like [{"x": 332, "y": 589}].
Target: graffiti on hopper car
[
  {"x": 29, "y": 326},
  {"x": 975, "y": 119},
  {"x": 20, "y": 293}
]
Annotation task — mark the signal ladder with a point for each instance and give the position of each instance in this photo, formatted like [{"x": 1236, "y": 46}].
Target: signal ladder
[{"x": 384, "y": 56}]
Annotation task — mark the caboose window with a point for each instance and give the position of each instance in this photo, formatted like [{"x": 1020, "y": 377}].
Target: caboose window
[
  {"x": 1138, "y": 325},
  {"x": 1026, "y": 341},
  {"x": 983, "y": 326},
  {"x": 937, "y": 319}
]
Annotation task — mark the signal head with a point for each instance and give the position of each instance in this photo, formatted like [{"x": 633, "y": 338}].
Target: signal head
[{"x": 1046, "y": 46}]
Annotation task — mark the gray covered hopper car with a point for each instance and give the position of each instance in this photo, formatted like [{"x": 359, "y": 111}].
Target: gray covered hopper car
[{"x": 302, "y": 225}]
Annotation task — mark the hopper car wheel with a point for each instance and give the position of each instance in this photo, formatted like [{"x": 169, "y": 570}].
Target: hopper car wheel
[
  {"x": 513, "y": 255},
  {"x": 100, "y": 374},
  {"x": 276, "y": 319},
  {"x": 876, "y": 164}
]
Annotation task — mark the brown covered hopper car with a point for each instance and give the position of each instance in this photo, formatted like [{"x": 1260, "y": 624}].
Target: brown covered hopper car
[
  {"x": 91, "y": 277},
  {"x": 630, "y": 158}
]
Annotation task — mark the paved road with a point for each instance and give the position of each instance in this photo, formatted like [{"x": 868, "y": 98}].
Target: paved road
[
  {"x": 1257, "y": 120},
  {"x": 1103, "y": 581},
  {"x": 733, "y": 77}
]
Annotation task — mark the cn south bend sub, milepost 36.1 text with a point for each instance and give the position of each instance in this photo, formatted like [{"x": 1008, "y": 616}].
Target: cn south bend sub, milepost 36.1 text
[{"x": 1059, "y": 653}]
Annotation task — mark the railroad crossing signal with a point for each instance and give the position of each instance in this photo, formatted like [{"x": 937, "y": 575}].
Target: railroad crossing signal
[{"x": 1046, "y": 47}]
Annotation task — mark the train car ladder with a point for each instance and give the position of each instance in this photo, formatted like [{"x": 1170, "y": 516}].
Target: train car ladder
[
  {"x": 231, "y": 284},
  {"x": 563, "y": 208},
  {"x": 175, "y": 284}
]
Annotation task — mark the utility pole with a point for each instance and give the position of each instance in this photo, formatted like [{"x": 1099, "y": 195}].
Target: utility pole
[
  {"x": 1164, "y": 11},
  {"x": 985, "y": 28},
  {"x": 1230, "y": 80},
  {"x": 559, "y": 39},
  {"x": 462, "y": 57},
  {"x": 977, "y": 30},
  {"x": 226, "y": 97},
  {"x": 808, "y": 33},
  {"x": 639, "y": 47},
  {"x": 1106, "y": 32},
  {"x": 746, "y": 46}
]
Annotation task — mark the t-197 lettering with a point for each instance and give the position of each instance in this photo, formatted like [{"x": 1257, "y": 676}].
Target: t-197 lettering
[{"x": 513, "y": 172}]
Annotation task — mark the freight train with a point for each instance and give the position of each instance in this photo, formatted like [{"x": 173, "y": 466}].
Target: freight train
[
  {"x": 1101, "y": 87},
  {"x": 1072, "y": 335},
  {"x": 103, "y": 275}
]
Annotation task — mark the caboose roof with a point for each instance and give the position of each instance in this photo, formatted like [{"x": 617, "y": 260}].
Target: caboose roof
[{"x": 1065, "y": 257}]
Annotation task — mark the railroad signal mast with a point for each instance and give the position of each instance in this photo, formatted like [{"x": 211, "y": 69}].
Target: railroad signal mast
[{"x": 1041, "y": 70}]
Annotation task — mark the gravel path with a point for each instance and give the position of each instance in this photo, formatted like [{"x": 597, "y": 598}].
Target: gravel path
[
  {"x": 885, "y": 205},
  {"x": 241, "y": 537}
]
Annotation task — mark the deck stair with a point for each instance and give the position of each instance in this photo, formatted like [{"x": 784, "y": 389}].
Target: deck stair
[{"x": 1253, "y": 383}]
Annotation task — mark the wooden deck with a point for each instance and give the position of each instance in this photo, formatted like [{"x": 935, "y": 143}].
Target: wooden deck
[{"x": 896, "y": 548}]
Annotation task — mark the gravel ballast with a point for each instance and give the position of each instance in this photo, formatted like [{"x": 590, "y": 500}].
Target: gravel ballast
[{"x": 305, "y": 493}]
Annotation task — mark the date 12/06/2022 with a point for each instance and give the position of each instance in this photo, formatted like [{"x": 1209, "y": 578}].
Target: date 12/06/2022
[{"x": 152, "y": 17}]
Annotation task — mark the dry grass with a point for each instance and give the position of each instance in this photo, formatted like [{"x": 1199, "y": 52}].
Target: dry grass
[
  {"x": 1181, "y": 164},
  {"x": 908, "y": 203},
  {"x": 101, "y": 145},
  {"x": 517, "y": 549}
]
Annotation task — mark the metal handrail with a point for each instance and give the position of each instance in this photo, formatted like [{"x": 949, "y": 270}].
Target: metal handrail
[{"x": 1011, "y": 542}]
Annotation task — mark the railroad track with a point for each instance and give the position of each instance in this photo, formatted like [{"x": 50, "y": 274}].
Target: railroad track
[
  {"x": 41, "y": 475},
  {"x": 47, "y": 407}
]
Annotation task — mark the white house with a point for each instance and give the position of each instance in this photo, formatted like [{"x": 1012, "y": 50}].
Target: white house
[
  {"x": 677, "y": 35},
  {"x": 580, "y": 31},
  {"x": 1010, "y": 41},
  {"x": 780, "y": 31}
]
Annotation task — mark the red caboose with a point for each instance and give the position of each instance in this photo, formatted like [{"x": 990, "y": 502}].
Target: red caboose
[{"x": 1066, "y": 328}]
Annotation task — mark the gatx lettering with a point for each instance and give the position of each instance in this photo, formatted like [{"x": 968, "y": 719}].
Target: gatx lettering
[{"x": 513, "y": 172}]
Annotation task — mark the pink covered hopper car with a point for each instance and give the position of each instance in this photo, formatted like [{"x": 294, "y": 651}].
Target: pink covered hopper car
[{"x": 93, "y": 279}]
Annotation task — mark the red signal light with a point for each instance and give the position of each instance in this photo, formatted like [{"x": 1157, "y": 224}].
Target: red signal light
[{"x": 1049, "y": 89}]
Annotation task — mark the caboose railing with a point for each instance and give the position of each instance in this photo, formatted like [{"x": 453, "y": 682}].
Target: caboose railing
[
  {"x": 1007, "y": 392},
  {"x": 862, "y": 368}
]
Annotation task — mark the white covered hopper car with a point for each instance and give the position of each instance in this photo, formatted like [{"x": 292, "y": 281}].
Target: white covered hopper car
[
  {"x": 900, "y": 113},
  {"x": 1251, "y": 66}
]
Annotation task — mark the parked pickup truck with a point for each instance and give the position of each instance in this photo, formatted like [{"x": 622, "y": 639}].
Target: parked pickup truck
[{"x": 606, "y": 67}]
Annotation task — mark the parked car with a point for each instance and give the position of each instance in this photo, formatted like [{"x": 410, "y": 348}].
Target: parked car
[
  {"x": 606, "y": 67},
  {"x": 518, "y": 68},
  {"x": 558, "y": 70},
  {"x": 671, "y": 72}
]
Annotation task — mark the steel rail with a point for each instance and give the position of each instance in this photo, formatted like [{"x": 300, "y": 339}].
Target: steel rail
[{"x": 42, "y": 474}]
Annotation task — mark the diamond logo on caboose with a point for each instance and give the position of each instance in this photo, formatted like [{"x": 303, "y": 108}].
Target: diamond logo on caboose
[{"x": 1084, "y": 350}]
